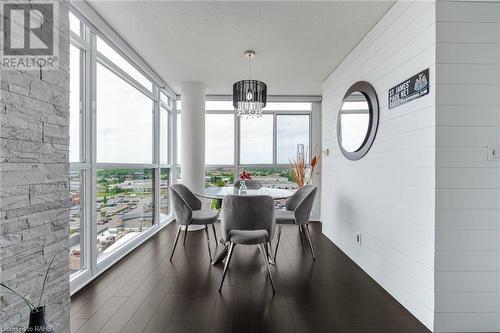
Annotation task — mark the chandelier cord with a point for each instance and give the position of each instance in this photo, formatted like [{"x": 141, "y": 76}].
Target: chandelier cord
[{"x": 249, "y": 67}]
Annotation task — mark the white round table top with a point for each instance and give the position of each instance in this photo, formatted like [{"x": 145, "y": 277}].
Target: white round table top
[{"x": 221, "y": 192}]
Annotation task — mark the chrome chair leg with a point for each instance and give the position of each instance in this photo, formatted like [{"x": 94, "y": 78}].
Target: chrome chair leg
[
  {"x": 263, "y": 250},
  {"x": 185, "y": 235},
  {"x": 277, "y": 242},
  {"x": 301, "y": 231},
  {"x": 269, "y": 253},
  {"x": 215, "y": 236},
  {"x": 175, "y": 243},
  {"x": 226, "y": 265},
  {"x": 308, "y": 234},
  {"x": 208, "y": 243},
  {"x": 222, "y": 254}
]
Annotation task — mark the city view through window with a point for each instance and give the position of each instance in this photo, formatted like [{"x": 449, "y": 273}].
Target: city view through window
[
  {"x": 75, "y": 221},
  {"x": 269, "y": 177},
  {"x": 281, "y": 178},
  {"x": 164, "y": 183},
  {"x": 124, "y": 206}
]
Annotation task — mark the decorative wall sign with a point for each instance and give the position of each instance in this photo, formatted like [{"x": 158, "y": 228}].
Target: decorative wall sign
[{"x": 413, "y": 88}]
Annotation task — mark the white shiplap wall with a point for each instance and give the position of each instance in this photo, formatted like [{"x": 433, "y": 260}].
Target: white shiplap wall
[
  {"x": 389, "y": 195},
  {"x": 467, "y": 277}
]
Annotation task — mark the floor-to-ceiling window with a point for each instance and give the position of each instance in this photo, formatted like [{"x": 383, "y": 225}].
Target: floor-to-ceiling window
[
  {"x": 292, "y": 130},
  {"x": 268, "y": 144},
  {"x": 256, "y": 140},
  {"x": 166, "y": 147},
  {"x": 78, "y": 176},
  {"x": 219, "y": 147},
  {"x": 219, "y": 139},
  {"x": 262, "y": 146},
  {"x": 124, "y": 155},
  {"x": 121, "y": 152}
]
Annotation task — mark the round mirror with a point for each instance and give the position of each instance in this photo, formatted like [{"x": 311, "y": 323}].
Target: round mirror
[{"x": 357, "y": 120}]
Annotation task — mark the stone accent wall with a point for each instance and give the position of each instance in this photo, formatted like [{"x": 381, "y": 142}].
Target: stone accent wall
[{"x": 34, "y": 187}]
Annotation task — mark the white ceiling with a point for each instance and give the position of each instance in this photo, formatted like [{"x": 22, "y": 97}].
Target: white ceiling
[{"x": 298, "y": 44}]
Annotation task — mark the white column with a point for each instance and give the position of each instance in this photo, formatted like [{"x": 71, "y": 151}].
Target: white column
[{"x": 193, "y": 135}]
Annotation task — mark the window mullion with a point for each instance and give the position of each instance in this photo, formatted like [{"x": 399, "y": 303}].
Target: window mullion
[
  {"x": 170, "y": 146},
  {"x": 123, "y": 75},
  {"x": 275, "y": 135},
  {"x": 82, "y": 105},
  {"x": 156, "y": 114},
  {"x": 156, "y": 156},
  {"x": 78, "y": 41},
  {"x": 237, "y": 139},
  {"x": 91, "y": 204},
  {"x": 175, "y": 146}
]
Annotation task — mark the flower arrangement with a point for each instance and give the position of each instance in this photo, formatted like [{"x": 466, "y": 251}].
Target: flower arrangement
[
  {"x": 245, "y": 175},
  {"x": 301, "y": 172}
]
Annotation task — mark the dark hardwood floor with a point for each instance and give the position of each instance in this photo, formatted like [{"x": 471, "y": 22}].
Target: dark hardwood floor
[{"x": 144, "y": 292}]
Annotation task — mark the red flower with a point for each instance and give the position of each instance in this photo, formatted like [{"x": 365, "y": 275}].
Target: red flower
[
  {"x": 314, "y": 161},
  {"x": 245, "y": 175}
]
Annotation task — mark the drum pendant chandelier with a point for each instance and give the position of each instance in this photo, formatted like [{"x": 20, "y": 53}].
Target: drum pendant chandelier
[{"x": 249, "y": 96}]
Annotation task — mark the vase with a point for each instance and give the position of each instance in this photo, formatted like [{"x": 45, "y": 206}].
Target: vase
[
  {"x": 243, "y": 187},
  {"x": 37, "y": 321}
]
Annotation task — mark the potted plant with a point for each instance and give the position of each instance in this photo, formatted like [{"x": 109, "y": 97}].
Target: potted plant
[{"x": 37, "y": 321}]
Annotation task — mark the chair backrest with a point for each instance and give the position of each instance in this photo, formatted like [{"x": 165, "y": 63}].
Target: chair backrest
[
  {"x": 191, "y": 199},
  {"x": 250, "y": 183},
  {"x": 184, "y": 202},
  {"x": 302, "y": 202},
  {"x": 252, "y": 212}
]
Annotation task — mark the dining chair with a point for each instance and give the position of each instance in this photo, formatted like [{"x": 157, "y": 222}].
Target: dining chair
[
  {"x": 298, "y": 210},
  {"x": 187, "y": 208},
  {"x": 248, "y": 220},
  {"x": 251, "y": 184}
]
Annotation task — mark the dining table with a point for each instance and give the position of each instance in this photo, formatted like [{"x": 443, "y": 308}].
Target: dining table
[
  {"x": 218, "y": 193},
  {"x": 221, "y": 192}
]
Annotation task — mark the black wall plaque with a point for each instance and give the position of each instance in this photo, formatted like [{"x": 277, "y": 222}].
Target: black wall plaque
[{"x": 413, "y": 88}]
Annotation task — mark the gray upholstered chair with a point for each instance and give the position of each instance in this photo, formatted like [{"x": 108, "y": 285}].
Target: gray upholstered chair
[
  {"x": 187, "y": 208},
  {"x": 251, "y": 184},
  {"x": 298, "y": 211},
  {"x": 248, "y": 220}
]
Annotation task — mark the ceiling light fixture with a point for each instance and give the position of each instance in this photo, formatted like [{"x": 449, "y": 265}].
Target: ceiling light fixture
[{"x": 249, "y": 96}]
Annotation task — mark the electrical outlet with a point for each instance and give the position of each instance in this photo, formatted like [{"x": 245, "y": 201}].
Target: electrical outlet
[
  {"x": 493, "y": 152},
  {"x": 358, "y": 238}
]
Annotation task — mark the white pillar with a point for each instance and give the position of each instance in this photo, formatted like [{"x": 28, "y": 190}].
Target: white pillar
[{"x": 193, "y": 135}]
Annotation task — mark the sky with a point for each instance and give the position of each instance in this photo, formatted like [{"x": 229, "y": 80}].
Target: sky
[
  {"x": 124, "y": 119},
  {"x": 74, "y": 105}
]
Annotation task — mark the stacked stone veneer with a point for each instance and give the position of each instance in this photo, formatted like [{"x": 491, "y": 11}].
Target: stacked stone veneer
[{"x": 34, "y": 187}]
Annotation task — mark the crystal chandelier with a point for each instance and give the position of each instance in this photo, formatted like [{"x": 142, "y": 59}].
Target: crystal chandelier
[{"x": 249, "y": 96}]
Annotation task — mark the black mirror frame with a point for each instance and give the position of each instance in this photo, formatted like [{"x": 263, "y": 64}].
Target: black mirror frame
[{"x": 371, "y": 97}]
